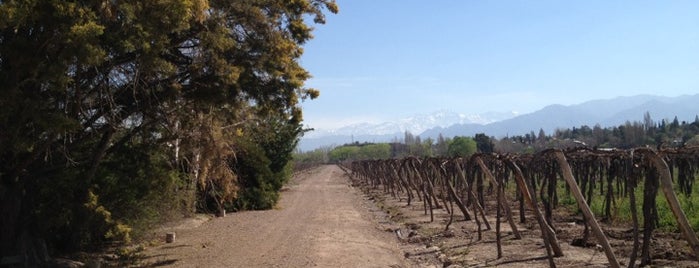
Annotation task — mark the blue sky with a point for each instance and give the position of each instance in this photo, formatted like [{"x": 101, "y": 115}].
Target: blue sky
[{"x": 380, "y": 60}]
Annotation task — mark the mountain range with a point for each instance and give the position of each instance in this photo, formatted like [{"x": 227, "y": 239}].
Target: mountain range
[{"x": 607, "y": 112}]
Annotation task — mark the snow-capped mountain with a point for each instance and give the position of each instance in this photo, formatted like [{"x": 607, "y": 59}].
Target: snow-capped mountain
[
  {"x": 414, "y": 124},
  {"x": 607, "y": 112}
]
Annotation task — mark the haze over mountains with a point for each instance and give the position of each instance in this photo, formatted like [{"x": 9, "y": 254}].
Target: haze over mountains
[{"x": 609, "y": 112}]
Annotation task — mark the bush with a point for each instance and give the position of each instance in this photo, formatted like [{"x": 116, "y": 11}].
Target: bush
[
  {"x": 258, "y": 185},
  {"x": 133, "y": 189}
]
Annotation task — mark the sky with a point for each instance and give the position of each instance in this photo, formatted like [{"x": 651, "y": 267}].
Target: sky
[{"x": 381, "y": 60}]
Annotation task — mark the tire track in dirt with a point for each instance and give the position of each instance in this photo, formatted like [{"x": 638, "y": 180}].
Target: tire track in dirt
[{"x": 320, "y": 221}]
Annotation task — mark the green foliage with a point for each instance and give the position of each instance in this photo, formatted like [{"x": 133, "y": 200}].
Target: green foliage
[
  {"x": 462, "y": 147},
  {"x": 484, "y": 143},
  {"x": 111, "y": 228},
  {"x": 317, "y": 156},
  {"x": 344, "y": 153},
  {"x": 278, "y": 136},
  {"x": 360, "y": 152},
  {"x": 134, "y": 187},
  {"x": 412, "y": 146},
  {"x": 665, "y": 133},
  {"x": 375, "y": 151},
  {"x": 114, "y": 111},
  {"x": 621, "y": 213},
  {"x": 258, "y": 184},
  {"x": 428, "y": 147},
  {"x": 139, "y": 186}
]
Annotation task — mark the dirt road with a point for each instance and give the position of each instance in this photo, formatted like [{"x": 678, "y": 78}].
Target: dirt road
[{"x": 320, "y": 221}]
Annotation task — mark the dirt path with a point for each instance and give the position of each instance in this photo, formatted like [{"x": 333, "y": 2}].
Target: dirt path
[{"x": 320, "y": 221}]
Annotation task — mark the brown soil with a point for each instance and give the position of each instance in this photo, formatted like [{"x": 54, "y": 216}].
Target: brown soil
[
  {"x": 320, "y": 221},
  {"x": 326, "y": 220},
  {"x": 460, "y": 246}
]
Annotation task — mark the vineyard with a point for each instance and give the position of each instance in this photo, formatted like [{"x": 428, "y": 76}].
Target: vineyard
[{"x": 645, "y": 191}]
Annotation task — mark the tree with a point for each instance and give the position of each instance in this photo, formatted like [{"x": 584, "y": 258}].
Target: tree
[
  {"x": 484, "y": 143},
  {"x": 510, "y": 145},
  {"x": 375, "y": 151},
  {"x": 648, "y": 121},
  {"x": 442, "y": 145},
  {"x": 416, "y": 148},
  {"x": 87, "y": 82},
  {"x": 360, "y": 151},
  {"x": 408, "y": 138},
  {"x": 317, "y": 156},
  {"x": 461, "y": 146},
  {"x": 428, "y": 147},
  {"x": 598, "y": 135},
  {"x": 541, "y": 138},
  {"x": 344, "y": 153}
]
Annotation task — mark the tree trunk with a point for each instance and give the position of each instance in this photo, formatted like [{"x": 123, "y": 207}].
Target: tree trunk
[
  {"x": 19, "y": 247},
  {"x": 10, "y": 207}
]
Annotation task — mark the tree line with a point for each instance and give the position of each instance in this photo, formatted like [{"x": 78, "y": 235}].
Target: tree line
[
  {"x": 651, "y": 133},
  {"x": 663, "y": 133},
  {"x": 116, "y": 112},
  {"x": 411, "y": 145}
]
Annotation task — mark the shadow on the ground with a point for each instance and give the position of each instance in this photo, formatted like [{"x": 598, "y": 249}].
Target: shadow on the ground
[{"x": 160, "y": 263}]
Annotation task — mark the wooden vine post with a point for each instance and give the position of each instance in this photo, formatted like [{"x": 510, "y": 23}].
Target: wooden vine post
[
  {"x": 459, "y": 203},
  {"x": 502, "y": 200},
  {"x": 478, "y": 208},
  {"x": 435, "y": 181},
  {"x": 547, "y": 233},
  {"x": 591, "y": 221},
  {"x": 666, "y": 184}
]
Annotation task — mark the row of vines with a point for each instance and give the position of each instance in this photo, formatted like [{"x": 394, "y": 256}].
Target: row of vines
[{"x": 588, "y": 174}]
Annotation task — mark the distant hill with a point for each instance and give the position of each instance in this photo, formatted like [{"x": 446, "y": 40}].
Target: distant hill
[
  {"x": 604, "y": 112},
  {"x": 609, "y": 112}
]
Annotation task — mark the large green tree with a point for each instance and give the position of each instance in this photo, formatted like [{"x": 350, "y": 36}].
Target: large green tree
[
  {"x": 484, "y": 143},
  {"x": 173, "y": 82},
  {"x": 461, "y": 146}
]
